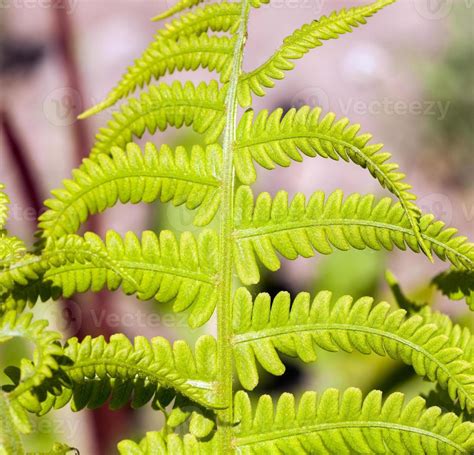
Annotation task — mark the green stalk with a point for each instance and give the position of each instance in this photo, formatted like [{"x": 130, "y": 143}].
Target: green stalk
[{"x": 224, "y": 306}]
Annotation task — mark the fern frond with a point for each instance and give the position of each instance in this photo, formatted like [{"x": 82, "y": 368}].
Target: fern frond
[
  {"x": 346, "y": 423},
  {"x": 272, "y": 139},
  {"x": 262, "y": 328},
  {"x": 179, "y": 176},
  {"x": 154, "y": 267},
  {"x": 158, "y": 442},
  {"x": 31, "y": 373},
  {"x": 4, "y": 201},
  {"x": 299, "y": 43},
  {"x": 118, "y": 372},
  {"x": 10, "y": 439},
  {"x": 457, "y": 285},
  {"x": 181, "y": 5},
  {"x": 299, "y": 228},
  {"x": 217, "y": 17},
  {"x": 12, "y": 249},
  {"x": 162, "y": 106},
  {"x": 165, "y": 56},
  {"x": 66, "y": 249}
]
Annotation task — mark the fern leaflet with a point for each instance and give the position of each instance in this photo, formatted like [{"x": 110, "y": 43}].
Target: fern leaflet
[
  {"x": 163, "y": 105},
  {"x": 165, "y": 56},
  {"x": 155, "y": 267},
  {"x": 183, "y": 177},
  {"x": 294, "y": 328},
  {"x": 297, "y": 229},
  {"x": 93, "y": 372},
  {"x": 217, "y": 17},
  {"x": 348, "y": 423}
]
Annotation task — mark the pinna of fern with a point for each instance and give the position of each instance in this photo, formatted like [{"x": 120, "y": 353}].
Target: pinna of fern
[{"x": 193, "y": 387}]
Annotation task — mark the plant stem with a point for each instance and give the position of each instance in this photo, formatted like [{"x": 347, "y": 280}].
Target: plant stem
[{"x": 224, "y": 306}]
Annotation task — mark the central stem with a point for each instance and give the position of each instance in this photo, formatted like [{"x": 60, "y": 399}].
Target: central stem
[{"x": 224, "y": 306}]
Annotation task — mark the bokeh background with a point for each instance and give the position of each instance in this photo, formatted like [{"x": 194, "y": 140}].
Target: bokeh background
[{"x": 407, "y": 77}]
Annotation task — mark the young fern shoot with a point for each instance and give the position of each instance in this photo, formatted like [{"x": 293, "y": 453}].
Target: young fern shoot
[{"x": 205, "y": 386}]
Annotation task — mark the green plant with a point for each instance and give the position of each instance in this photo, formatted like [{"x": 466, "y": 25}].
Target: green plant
[{"x": 195, "y": 386}]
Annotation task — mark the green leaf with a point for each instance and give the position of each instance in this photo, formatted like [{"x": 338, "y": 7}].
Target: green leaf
[
  {"x": 347, "y": 423},
  {"x": 31, "y": 373},
  {"x": 299, "y": 43},
  {"x": 4, "y": 201},
  {"x": 160, "y": 267},
  {"x": 271, "y": 139},
  {"x": 94, "y": 372},
  {"x": 442, "y": 354},
  {"x": 457, "y": 285},
  {"x": 157, "y": 442},
  {"x": 179, "y": 176},
  {"x": 217, "y": 17},
  {"x": 165, "y": 56},
  {"x": 162, "y": 106},
  {"x": 298, "y": 228}
]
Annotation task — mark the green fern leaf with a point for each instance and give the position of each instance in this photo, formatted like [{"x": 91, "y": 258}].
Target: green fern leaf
[
  {"x": 130, "y": 176},
  {"x": 347, "y": 423},
  {"x": 164, "y": 105},
  {"x": 217, "y": 17},
  {"x": 12, "y": 249},
  {"x": 158, "y": 442},
  {"x": 297, "y": 229},
  {"x": 165, "y": 56},
  {"x": 155, "y": 267},
  {"x": 10, "y": 439},
  {"x": 4, "y": 201},
  {"x": 180, "y": 6},
  {"x": 299, "y": 43},
  {"x": 118, "y": 372},
  {"x": 264, "y": 328},
  {"x": 47, "y": 349},
  {"x": 457, "y": 285},
  {"x": 271, "y": 139},
  {"x": 65, "y": 250}
]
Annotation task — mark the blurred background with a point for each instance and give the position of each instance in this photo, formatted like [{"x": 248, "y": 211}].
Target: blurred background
[{"x": 407, "y": 77}]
